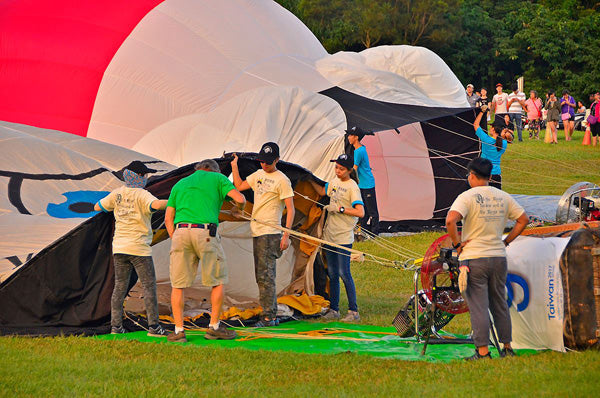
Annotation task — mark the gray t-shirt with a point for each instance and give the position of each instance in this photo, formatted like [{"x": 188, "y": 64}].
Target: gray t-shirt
[{"x": 473, "y": 99}]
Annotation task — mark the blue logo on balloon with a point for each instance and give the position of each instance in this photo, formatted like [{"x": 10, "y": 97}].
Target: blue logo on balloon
[
  {"x": 79, "y": 204},
  {"x": 519, "y": 280}
]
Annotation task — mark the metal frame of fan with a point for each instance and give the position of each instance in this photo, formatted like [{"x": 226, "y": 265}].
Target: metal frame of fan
[
  {"x": 439, "y": 300},
  {"x": 569, "y": 208}
]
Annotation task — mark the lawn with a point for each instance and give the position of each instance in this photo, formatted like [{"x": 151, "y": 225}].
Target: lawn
[{"x": 71, "y": 366}]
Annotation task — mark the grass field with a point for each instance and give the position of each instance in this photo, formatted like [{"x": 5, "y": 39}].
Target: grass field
[{"x": 87, "y": 367}]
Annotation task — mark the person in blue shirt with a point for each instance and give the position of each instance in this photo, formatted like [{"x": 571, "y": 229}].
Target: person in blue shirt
[
  {"x": 366, "y": 181},
  {"x": 493, "y": 146}
]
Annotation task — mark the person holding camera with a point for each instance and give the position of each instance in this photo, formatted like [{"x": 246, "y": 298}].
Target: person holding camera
[
  {"x": 483, "y": 211},
  {"x": 272, "y": 192},
  {"x": 191, "y": 219}
]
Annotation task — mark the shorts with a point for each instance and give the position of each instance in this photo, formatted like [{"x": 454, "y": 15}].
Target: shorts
[
  {"x": 595, "y": 129},
  {"x": 190, "y": 246}
]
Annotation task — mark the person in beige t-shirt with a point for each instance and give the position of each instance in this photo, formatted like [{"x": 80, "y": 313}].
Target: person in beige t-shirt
[
  {"x": 484, "y": 211},
  {"x": 272, "y": 192},
  {"x": 343, "y": 211},
  {"x": 132, "y": 207}
]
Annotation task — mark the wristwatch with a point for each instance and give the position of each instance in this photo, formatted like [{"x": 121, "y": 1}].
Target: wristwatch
[
  {"x": 456, "y": 246},
  {"x": 342, "y": 210}
]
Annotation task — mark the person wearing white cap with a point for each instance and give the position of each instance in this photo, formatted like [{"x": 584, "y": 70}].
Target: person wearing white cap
[{"x": 472, "y": 97}]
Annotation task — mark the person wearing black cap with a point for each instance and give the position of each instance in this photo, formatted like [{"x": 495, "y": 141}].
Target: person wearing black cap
[
  {"x": 344, "y": 210},
  {"x": 272, "y": 191},
  {"x": 481, "y": 251},
  {"x": 132, "y": 207},
  {"x": 366, "y": 180}
]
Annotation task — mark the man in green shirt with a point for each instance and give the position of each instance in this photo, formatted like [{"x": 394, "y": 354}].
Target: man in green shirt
[{"x": 191, "y": 219}]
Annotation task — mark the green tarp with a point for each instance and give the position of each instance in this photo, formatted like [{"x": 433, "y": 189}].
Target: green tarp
[{"x": 325, "y": 338}]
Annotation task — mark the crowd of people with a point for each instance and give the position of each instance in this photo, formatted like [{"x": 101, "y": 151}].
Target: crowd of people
[
  {"x": 550, "y": 112},
  {"x": 192, "y": 219}
]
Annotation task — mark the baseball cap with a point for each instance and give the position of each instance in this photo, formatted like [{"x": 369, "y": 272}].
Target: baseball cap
[
  {"x": 499, "y": 85},
  {"x": 268, "y": 153},
  {"x": 470, "y": 85},
  {"x": 345, "y": 160},
  {"x": 139, "y": 168},
  {"x": 359, "y": 132}
]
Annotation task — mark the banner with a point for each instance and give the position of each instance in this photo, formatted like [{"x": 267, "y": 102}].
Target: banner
[{"x": 534, "y": 292}]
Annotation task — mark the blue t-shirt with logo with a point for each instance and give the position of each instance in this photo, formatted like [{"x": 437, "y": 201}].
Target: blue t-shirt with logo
[{"x": 363, "y": 169}]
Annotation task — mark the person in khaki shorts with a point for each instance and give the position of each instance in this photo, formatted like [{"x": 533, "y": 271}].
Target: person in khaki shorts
[{"x": 191, "y": 219}]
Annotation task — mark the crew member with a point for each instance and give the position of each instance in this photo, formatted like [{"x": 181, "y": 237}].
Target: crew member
[
  {"x": 484, "y": 211},
  {"x": 272, "y": 191},
  {"x": 132, "y": 207},
  {"x": 191, "y": 220},
  {"x": 366, "y": 181},
  {"x": 343, "y": 211}
]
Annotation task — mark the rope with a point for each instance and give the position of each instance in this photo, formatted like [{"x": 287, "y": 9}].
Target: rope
[{"x": 393, "y": 248}]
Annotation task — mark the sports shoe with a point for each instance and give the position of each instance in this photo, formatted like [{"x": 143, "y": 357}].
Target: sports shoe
[
  {"x": 352, "y": 316},
  {"x": 117, "y": 330},
  {"x": 266, "y": 323},
  {"x": 507, "y": 352},
  {"x": 477, "y": 356},
  {"x": 157, "y": 331},
  {"x": 331, "y": 315},
  {"x": 177, "y": 337},
  {"x": 220, "y": 333}
]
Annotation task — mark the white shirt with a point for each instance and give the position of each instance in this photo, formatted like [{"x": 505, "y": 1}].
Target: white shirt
[
  {"x": 501, "y": 100},
  {"x": 516, "y": 106},
  {"x": 485, "y": 211}
]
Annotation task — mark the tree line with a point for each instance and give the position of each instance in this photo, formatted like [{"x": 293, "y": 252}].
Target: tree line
[{"x": 553, "y": 44}]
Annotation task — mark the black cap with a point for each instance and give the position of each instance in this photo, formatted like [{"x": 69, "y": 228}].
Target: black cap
[
  {"x": 357, "y": 131},
  {"x": 139, "y": 168},
  {"x": 345, "y": 160},
  {"x": 268, "y": 153}
]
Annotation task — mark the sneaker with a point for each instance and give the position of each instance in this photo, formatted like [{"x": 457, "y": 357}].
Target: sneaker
[
  {"x": 352, "y": 316},
  {"x": 157, "y": 331},
  {"x": 477, "y": 356},
  {"x": 177, "y": 337},
  {"x": 266, "y": 323},
  {"x": 507, "y": 352},
  {"x": 117, "y": 330},
  {"x": 331, "y": 315},
  {"x": 220, "y": 333}
]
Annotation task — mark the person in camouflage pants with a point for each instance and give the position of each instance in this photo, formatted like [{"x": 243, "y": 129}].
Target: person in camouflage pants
[{"x": 266, "y": 251}]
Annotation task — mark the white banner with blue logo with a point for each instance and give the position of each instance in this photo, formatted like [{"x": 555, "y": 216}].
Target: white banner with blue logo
[{"x": 535, "y": 293}]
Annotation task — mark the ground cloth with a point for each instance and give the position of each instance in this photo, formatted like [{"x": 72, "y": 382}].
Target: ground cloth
[{"x": 325, "y": 338}]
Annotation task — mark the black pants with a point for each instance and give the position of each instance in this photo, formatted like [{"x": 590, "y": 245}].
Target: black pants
[
  {"x": 496, "y": 181},
  {"x": 370, "y": 221}
]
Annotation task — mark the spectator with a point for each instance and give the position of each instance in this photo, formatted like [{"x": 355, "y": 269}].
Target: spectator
[
  {"x": 499, "y": 102},
  {"x": 472, "y": 97},
  {"x": 553, "y": 107},
  {"x": 516, "y": 104},
  {"x": 534, "y": 114},
  {"x": 594, "y": 118},
  {"x": 567, "y": 104},
  {"x": 484, "y": 100},
  {"x": 580, "y": 107}
]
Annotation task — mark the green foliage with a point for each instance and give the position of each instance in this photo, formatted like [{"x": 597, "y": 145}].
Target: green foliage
[{"x": 554, "y": 44}]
